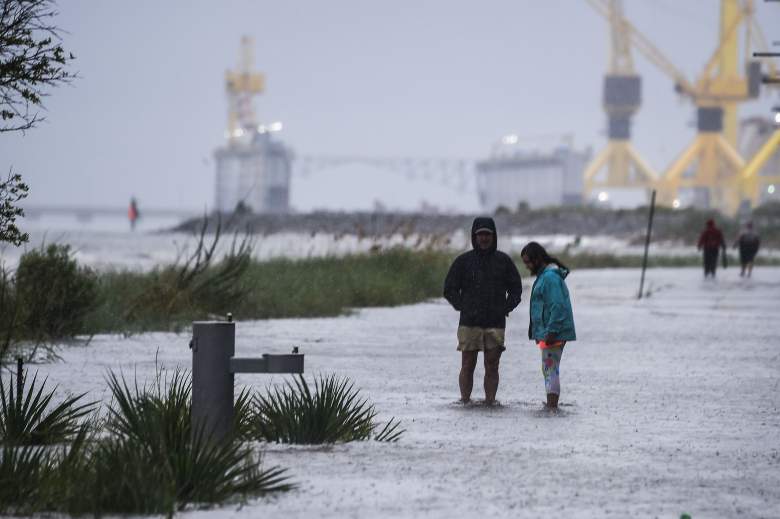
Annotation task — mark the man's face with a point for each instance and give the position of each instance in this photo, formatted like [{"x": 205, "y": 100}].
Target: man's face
[
  {"x": 532, "y": 266},
  {"x": 484, "y": 240}
]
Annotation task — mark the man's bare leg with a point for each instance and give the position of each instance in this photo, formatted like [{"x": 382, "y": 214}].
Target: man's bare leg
[
  {"x": 492, "y": 356},
  {"x": 466, "y": 378}
]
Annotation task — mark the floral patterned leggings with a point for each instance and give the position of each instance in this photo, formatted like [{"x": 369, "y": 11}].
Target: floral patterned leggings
[{"x": 551, "y": 361}]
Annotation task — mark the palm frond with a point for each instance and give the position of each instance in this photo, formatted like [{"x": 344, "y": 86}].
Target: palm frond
[
  {"x": 22, "y": 470},
  {"x": 333, "y": 412},
  {"x": 29, "y": 419}
]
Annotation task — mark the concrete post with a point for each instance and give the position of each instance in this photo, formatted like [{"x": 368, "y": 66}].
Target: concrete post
[{"x": 213, "y": 345}]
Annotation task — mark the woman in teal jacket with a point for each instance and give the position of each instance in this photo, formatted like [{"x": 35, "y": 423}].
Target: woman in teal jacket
[{"x": 552, "y": 320}]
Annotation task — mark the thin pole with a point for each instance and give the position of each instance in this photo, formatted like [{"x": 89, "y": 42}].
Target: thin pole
[
  {"x": 647, "y": 244},
  {"x": 19, "y": 384}
]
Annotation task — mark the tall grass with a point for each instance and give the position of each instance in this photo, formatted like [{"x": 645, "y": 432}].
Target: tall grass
[
  {"x": 170, "y": 298},
  {"x": 331, "y": 286},
  {"x": 131, "y": 302},
  {"x": 321, "y": 287}
]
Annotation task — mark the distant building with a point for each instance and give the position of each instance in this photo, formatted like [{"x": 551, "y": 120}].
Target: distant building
[
  {"x": 535, "y": 178},
  {"x": 253, "y": 170},
  {"x": 253, "y": 173}
]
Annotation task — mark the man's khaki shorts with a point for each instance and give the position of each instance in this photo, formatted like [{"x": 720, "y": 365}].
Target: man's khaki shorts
[{"x": 472, "y": 338}]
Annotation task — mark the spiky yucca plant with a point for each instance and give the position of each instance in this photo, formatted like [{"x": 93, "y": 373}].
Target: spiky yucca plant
[
  {"x": 148, "y": 462},
  {"x": 35, "y": 478},
  {"x": 26, "y": 419},
  {"x": 333, "y": 412},
  {"x": 22, "y": 470},
  {"x": 153, "y": 434}
]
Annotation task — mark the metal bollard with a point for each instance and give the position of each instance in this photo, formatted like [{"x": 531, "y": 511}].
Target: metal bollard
[
  {"x": 213, "y": 345},
  {"x": 213, "y": 374}
]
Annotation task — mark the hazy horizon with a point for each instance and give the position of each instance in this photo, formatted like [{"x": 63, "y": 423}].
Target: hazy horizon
[{"x": 402, "y": 79}]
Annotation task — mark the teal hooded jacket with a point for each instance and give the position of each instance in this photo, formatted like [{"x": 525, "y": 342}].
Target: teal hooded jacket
[{"x": 551, "y": 307}]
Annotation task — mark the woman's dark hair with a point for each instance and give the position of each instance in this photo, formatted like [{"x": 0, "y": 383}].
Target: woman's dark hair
[{"x": 533, "y": 251}]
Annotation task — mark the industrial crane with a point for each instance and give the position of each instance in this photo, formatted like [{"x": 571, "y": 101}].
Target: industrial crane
[
  {"x": 241, "y": 85},
  {"x": 753, "y": 182},
  {"x": 710, "y": 165},
  {"x": 622, "y": 97}
]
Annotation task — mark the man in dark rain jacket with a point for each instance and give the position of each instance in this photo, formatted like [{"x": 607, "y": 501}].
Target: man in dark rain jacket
[{"x": 484, "y": 285}]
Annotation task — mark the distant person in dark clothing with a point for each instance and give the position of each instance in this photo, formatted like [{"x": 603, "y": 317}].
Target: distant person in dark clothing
[
  {"x": 484, "y": 285},
  {"x": 711, "y": 241},
  {"x": 552, "y": 320},
  {"x": 748, "y": 243}
]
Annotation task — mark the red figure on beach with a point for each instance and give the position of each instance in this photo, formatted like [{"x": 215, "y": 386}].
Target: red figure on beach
[{"x": 132, "y": 213}]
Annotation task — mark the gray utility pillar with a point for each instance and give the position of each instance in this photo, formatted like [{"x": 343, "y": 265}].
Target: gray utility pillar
[{"x": 213, "y": 373}]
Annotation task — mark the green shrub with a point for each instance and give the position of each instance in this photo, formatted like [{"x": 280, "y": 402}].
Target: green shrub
[
  {"x": 9, "y": 314},
  {"x": 334, "y": 412},
  {"x": 53, "y": 293}
]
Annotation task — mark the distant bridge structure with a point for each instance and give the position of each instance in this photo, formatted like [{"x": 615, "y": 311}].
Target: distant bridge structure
[{"x": 455, "y": 173}]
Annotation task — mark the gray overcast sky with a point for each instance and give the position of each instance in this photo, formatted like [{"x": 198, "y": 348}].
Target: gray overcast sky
[{"x": 440, "y": 78}]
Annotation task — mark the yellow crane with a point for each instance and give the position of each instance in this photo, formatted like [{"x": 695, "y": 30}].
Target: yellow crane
[
  {"x": 710, "y": 165},
  {"x": 753, "y": 182},
  {"x": 624, "y": 167},
  {"x": 241, "y": 85}
]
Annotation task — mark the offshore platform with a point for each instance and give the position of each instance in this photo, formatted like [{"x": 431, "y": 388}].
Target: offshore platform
[{"x": 253, "y": 169}]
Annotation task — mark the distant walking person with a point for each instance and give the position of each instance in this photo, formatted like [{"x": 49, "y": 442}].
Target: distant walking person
[
  {"x": 132, "y": 213},
  {"x": 552, "y": 319},
  {"x": 748, "y": 243},
  {"x": 484, "y": 285},
  {"x": 711, "y": 241}
]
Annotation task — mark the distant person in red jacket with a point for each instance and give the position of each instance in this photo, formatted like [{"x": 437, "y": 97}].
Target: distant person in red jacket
[
  {"x": 132, "y": 213},
  {"x": 748, "y": 243},
  {"x": 711, "y": 241}
]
